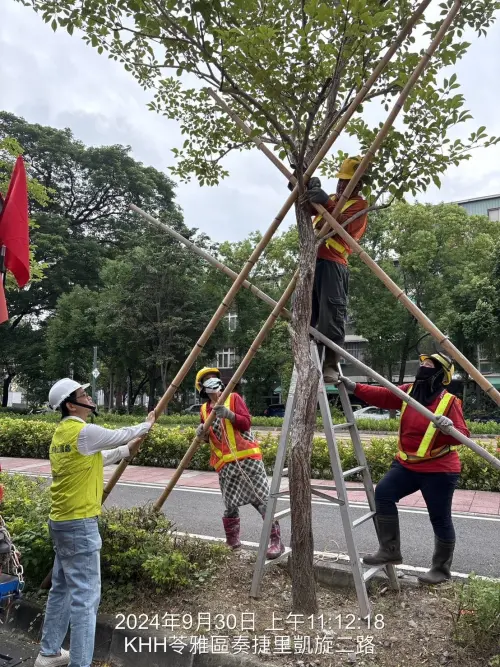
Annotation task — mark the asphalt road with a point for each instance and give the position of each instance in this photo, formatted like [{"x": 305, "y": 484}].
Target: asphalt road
[
  {"x": 16, "y": 650},
  {"x": 200, "y": 512}
]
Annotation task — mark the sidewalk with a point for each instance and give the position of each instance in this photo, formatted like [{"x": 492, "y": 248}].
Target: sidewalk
[{"x": 469, "y": 502}]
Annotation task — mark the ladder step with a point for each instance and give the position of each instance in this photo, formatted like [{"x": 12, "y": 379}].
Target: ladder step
[
  {"x": 285, "y": 554},
  {"x": 339, "y": 427},
  {"x": 283, "y": 513},
  {"x": 371, "y": 572},
  {"x": 362, "y": 519},
  {"x": 323, "y": 487},
  {"x": 353, "y": 471}
]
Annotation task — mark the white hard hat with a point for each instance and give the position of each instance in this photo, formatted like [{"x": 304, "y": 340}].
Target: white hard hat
[{"x": 62, "y": 389}]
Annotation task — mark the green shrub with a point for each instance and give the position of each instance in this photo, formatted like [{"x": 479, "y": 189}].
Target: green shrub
[
  {"x": 139, "y": 552},
  {"x": 117, "y": 420},
  {"x": 25, "y": 509},
  {"x": 165, "y": 447},
  {"x": 477, "y": 620}
]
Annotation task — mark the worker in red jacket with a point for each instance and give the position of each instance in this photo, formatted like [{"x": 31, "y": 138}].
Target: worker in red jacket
[
  {"x": 236, "y": 456},
  {"x": 426, "y": 461},
  {"x": 331, "y": 277}
]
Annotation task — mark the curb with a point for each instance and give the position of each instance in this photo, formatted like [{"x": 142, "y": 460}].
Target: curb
[{"x": 123, "y": 648}]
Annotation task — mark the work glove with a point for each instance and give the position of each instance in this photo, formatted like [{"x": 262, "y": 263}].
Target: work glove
[
  {"x": 349, "y": 384},
  {"x": 200, "y": 434},
  {"x": 224, "y": 413},
  {"x": 444, "y": 423},
  {"x": 314, "y": 194}
]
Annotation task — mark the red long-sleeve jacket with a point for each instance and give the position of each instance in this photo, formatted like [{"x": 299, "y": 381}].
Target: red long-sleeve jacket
[
  {"x": 414, "y": 426},
  {"x": 356, "y": 229}
]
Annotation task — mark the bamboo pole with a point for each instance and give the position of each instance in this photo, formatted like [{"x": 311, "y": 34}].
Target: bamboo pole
[
  {"x": 289, "y": 290},
  {"x": 324, "y": 340},
  {"x": 228, "y": 299},
  {"x": 332, "y": 223}
]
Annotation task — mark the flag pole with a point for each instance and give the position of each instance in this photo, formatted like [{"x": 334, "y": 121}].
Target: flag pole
[{"x": 3, "y": 269}]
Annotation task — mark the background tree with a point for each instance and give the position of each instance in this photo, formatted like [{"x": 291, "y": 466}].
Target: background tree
[
  {"x": 445, "y": 260},
  {"x": 290, "y": 68},
  {"x": 79, "y": 200}
]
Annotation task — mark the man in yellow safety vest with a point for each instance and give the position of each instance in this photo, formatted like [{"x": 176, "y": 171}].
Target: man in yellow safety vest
[{"x": 78, "y": 453}]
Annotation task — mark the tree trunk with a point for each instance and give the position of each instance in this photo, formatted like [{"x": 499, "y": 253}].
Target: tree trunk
[
  {"x": 302, "y": 428},
  {"x": 119, "y": 399},
  {"x": 6, "y": 384},
  {"x": 111, "y": 391},
  {"x": 131, "y": 399},
  {"x": 152, "y": 389}
]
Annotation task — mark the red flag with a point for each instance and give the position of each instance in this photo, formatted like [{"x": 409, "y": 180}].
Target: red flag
[
  {"x": 14, "y": 233},
  {"x": 4, "y": 315}
]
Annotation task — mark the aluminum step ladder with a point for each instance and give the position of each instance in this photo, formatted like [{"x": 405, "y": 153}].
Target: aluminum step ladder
[{"x": 361, "y": 576}]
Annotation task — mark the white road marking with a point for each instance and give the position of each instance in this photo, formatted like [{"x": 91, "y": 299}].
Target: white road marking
[
  {"x": 216, "y": 492},
  {"x": 331, "y": 556}
]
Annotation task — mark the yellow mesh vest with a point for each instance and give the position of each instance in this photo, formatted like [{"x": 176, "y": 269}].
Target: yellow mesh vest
[{"x": 78, "y": 480}]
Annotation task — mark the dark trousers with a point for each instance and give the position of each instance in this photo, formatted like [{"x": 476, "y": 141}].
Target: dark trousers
[
  {"x": 329, "y": 301},
  {"x": 437, "y": 489}
]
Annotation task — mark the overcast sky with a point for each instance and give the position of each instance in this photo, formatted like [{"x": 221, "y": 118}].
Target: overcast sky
[{"x": 54, "y": 79}]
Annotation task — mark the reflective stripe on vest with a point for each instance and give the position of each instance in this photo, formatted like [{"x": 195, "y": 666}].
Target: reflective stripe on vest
[
  {"x": 238, "y": 447},
  {"x": 426, "y": 448},
  {"x": 77, "y": 480},
  {"x": 332, "y": 243}
]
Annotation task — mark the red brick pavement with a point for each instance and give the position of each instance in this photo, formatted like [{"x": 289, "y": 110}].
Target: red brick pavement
[{"x": 472, "y": 502}]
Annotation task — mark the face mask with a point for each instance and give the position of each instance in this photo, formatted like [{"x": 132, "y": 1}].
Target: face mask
[
  {"x": 92, "y": 408},
  {"x": 425, "y": 373}
]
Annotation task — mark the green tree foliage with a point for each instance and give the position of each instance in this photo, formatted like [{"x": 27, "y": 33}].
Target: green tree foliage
[
  {"x": 291, "y": 67},
  {"x": 79, "y": 202},
  {"x": 445, "y": 261}
]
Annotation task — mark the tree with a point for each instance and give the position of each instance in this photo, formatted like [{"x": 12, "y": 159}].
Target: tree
[
  {"x": 79, "y": 200},
  {"x": 445, "y": 261},
  {"x": 290, "y": 68}
]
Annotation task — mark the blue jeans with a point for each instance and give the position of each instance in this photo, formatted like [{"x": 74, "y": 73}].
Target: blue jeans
[
  {"x": 437, "y": 489},
  {"x": 76, "y": 590}
]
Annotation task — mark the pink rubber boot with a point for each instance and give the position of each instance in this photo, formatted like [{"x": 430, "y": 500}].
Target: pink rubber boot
[
  {"x": 232, "y": 530},
  {"x": 276, "y": 546}
]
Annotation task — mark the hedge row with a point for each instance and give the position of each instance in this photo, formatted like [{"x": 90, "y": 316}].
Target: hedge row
[
  {"x": 112, "y": 419},
  {"x": 165, "y": 447},
  {"x": 140, "y": 551}
]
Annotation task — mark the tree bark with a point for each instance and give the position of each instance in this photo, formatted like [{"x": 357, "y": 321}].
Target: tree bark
[{"x": 302, "y": 428}]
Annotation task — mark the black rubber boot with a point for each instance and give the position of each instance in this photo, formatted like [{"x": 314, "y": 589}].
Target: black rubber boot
[
  {"x": 389, "y": 551},
  {"x": 331, "y": 367},
  {"x": 441, "y": 563}
]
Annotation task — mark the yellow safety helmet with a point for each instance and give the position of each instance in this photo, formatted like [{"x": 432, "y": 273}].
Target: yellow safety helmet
[
  {"x": 201, "y": 374},
  {"x": 445, "y": 361},
  {"x": 348, "y": 168}
]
